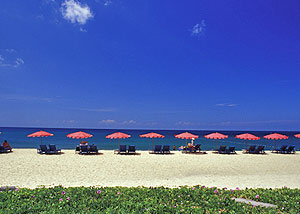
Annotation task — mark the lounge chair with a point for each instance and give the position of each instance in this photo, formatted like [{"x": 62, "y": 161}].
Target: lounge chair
[
  {"x": 4, "y": 150},
  {"x": 84, "y": 150},
  {"x": 166, "y": 149},
  {"x": 53, "y": 149},
  {"x": 122, "y": 149},
  {"x": 157, "y": 149},
  {"x": 93, "y": 149},
  {"x": 222, "y": 150},
  {"x": 131, "y": 149},
  {"x": 231, "y": 150},
  {"x": 197, "y": 148},
  {"x": 282, "y": 149},
  {"x": 43, "y": 150},
  {"x": 260, "y": 150},
  {"x": 251, "y": 149},
  {"x": 290, "y": 150}
]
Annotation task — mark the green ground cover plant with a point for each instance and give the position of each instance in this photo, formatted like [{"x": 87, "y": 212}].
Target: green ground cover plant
[{"x": 197, "y": 199}]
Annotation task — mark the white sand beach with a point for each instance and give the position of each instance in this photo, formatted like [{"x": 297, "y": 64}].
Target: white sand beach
[{"x": 26, "y": 168}]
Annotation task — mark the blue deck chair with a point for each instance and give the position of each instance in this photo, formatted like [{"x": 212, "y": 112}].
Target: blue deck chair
[
  {"x": 157, "y": 149},
  {"x": 197, "y": 148},
  {"x": 122, "y": 149},
  {"x": 231, "y": 150},
  {"x": 222, "y": 150},
  {"x": 131, "y": 149},
  {"x": 282, "y": 149},
  {"x": 166, "y": 149},
  {"x": 43, "y": 150},
  {"x": 251, "y": 149},
  {"x": 84, "y": 150},
  {"x": 93, "y": 149},
  {"x": 290, "y": 150},
  {"x": 260, "y": 150},
  {"x": 53, "y": 149},
  {"x": 4, "y": 150}
]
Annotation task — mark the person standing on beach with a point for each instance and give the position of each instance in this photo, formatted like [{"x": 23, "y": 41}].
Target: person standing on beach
[{"x": 192, "y": 142}]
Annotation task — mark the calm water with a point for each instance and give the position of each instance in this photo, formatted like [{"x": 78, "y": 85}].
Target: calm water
[{"x": 17, "y": 138}]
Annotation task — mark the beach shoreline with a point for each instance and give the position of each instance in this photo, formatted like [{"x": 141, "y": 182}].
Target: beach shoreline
[{"x": 26, "y": 168}]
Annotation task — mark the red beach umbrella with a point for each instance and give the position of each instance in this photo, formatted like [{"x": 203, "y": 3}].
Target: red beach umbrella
[
  {"x": 118, "y": 135},
  {"x": 152, "y": 135},
  {"x": 186, "y": 135},
  {"x": 216, "y": 136},
  {"x": 297, "y": 135},
  {"x": 40, "y": 134},
  {"x": 79, "y": 135},
  {"x": 276, "y": 136},
  {"x": 247, "y": 137}
]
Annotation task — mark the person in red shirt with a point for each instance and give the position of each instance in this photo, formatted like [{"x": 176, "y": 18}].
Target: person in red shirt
[{"x": 6, "y": 145}]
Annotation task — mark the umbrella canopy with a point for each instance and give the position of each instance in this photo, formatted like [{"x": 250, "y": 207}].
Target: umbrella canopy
[
  {"x": 276, "y": 136},
  {"x": 247, "y": 137},
  {"x": 40, "y": 134},
  {"x": 79, "y": 135},
  {"x": 152, "y": 135},
  {"x": 118, "y": 135},
  {"x": 296, "y": 135},
  {"x": 186, "y": 135},
  {"x": 216, "y": 136}
]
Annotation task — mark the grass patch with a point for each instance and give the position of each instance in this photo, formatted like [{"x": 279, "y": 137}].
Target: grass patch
[{"x": 198, "y": 199}]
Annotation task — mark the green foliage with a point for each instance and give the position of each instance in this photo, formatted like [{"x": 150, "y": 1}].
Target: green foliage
[{"x": 196, "y": 199}]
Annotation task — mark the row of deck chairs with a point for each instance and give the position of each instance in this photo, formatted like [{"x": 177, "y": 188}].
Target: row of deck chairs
[
  {"x": 159, "y": 149},
  {"x": 284, "y": 149},
  {"x": 123, "y": 150},
  {"x": 87, "y": 150},
  {"x": 48, "y": 151},
  {"x": 223, "y": 150},
  {"x": 4, "y": 150},
  {"x": 253, "y": 150}
]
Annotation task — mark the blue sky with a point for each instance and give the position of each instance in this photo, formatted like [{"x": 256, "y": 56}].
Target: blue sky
[{"x": 227, "y": 65}]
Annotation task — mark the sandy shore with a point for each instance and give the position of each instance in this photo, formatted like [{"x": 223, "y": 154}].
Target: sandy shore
[{"x": 26, "y": 168}]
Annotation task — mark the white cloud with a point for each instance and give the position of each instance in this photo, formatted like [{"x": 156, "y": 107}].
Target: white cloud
[
  {"x": 183, "y": 123},
  {"x": 107, "y": 2},
  {"x": 19, "y": 62},
  {"x": 10, "y": 50},
  {"x": 109, "y": 121},
  {"x": 226, "y": 104},
  {"x": 129, "y": 122},
  {"x": 96, "y": 109},
  {"x": 9, "y": 58},
  {"x": 16, "y": 97},
  {"x": 69, "y": 121},
  {"x": 198, "y": 29},
  {"x": 82, "y": 30},
  {"x": 76, "y": 12}
]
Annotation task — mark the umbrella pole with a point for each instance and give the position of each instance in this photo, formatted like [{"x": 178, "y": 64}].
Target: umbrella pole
[
  {"x": 152, "y": 144},
  {"x": 119, "y": 142},
  {"x": 246, "y": 144},
  {"x": 216, "y": 145},
  {"x": 41, "y": 140},
  {"x": 275, "y": 144}
]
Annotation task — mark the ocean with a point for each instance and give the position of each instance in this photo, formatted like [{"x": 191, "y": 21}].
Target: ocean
[{"x": 17, "y": 138}]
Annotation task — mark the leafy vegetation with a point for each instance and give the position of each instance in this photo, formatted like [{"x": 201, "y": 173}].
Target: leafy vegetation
[{"x": 198, "y": 199}]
